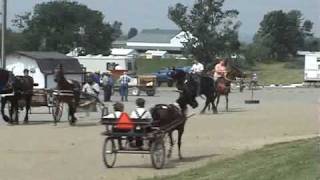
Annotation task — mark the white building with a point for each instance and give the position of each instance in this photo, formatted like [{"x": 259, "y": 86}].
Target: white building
[
  {"x": 120, "y": 58},
  {"x": 311, "y": 66},
  {"x": 158, "y": 39},
  {"x": 150, "y": 54},
  {"x": 41, "y": 66}
]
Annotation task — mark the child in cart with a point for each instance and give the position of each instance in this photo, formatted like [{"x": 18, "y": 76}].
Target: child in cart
[{"x": 140, "y": 113}]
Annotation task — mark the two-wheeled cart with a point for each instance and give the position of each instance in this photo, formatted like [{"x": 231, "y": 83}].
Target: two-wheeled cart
[{"x": 120, "y": 142}]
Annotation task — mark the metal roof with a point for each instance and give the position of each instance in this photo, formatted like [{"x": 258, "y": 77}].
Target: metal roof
[
  {"x": 48, "y": 61},
  {"x": 122, "y": 52},
  {"x": 155, "y": 36}
]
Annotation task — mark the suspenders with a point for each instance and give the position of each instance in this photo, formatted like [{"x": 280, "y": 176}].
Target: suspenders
[{"x": 140, "y": 117}]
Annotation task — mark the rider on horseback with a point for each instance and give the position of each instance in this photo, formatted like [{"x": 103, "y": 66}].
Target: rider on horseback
[
  {"x": 220, "y": 69},
  {"x": 196, "y": 71}
]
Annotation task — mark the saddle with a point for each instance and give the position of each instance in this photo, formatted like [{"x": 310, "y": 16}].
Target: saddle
[{"x": 222, "y": 86}]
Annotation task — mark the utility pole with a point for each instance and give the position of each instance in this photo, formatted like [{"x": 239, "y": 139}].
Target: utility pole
[{"x": 3, "y": 33}]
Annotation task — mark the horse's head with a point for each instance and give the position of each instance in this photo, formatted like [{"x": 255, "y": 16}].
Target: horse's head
[
  {"x": 234, "y": 72},
  {"x": 188, "y": 94},
  {"x": 58, "y": 73}
]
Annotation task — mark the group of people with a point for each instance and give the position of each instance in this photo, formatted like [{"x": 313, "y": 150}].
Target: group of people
[
  {"x": 92, "y": 86},
  {"x": 139, "y": 113}
]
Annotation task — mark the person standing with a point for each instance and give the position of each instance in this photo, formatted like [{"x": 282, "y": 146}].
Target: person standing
[
  {"x": 107, "y": 83},
  {"x": 124, "y": 86}
]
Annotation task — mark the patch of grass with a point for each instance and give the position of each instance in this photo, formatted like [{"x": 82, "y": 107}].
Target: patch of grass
[
  {"x": 145, "y": 66},
  {"x": 279, "y": 73},
  {"x": 299, "y": 160}
]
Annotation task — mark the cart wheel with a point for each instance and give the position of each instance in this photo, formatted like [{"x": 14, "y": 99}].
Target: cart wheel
[
  {"x": 158, "y": 154},
  {"x": 109, "y": 152},
  {"x": 135, "y": 91},
  {"x": 151, "y": 92},
  {"x": 57, "y": 110}
]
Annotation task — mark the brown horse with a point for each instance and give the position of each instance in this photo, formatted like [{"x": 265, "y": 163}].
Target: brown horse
[
  {"x": 223, "y": 84},
  {"x": 70, "y": 93},
  {"x": 172, "y": 117},
  {"x": 20, "y": 90}
]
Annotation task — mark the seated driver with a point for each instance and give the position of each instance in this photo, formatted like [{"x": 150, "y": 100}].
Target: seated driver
[{"x": 142, "y": 114}]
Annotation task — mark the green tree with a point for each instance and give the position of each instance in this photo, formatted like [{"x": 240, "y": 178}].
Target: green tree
[
  {"x": 132, "y": 32},
  {"x": 13, "y": 42},
  {"x": 62, "y": 25},
  {"x": 211, "y": 31},
  {"x": 282, "y": 33}
]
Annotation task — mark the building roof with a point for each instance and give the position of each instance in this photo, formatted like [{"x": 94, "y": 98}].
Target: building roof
[
  {"x": 48, "y": 61},
  {"x": 156, "y": 53},
  {"x": 121, "y": 52},
  {"x": 165, "y": 48},
  {"x": 155, "y": 36}
]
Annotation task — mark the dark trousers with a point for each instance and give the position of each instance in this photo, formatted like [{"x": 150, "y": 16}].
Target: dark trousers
[
  {"x": 107, "y": 92},
  {"x": 124, "y": 92}
]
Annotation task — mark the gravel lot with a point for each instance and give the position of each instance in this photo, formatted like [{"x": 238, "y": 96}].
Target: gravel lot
[{"x": 46, "y": 152}]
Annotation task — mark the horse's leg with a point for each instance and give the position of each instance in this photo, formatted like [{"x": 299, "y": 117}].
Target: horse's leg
[
  {"x": 227, "y": 102},
  {"x": 206, "y": 105},
  {"x": 15, "y": 111},
  {"x": 171, "y": 144},
  {"x": 218, "y": 99},
  {"x": 28, "y": 105},
  {"x": 3, "y": 104},
  {"x": 180, "y": 132},
  {"x": 71, "y": 113},
  {"x": 214, "y": 108}
]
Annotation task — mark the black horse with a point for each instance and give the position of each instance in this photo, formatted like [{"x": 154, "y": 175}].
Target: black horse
[
  {"x": 207, "y": 86},
  {"x": 67, "y": 85},
  {"x": 21, "y": 88},
  {"x": 172, "y": 117}
]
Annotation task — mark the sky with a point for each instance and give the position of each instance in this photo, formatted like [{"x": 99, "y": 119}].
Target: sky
[{"x": 144, "y": 14}]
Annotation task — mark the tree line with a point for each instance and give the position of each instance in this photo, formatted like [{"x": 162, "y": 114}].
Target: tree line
[{"x": 212, "y": 31}]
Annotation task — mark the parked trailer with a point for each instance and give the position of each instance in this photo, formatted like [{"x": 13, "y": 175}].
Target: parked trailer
[{"x": 312, "y": 67}]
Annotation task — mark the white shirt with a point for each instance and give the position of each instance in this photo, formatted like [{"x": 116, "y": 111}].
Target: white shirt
[
  {"x": 87, "y": 88},
  {"x": 197, "y": 68},
  {"x": 140, "y": 111},
  {"x": 115, "y": 114}
]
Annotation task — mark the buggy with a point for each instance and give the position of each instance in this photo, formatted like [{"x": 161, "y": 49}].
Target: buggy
[{"x": 150, "y": 133}]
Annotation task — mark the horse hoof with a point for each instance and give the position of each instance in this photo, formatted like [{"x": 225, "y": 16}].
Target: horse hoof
[{"x": 25, "y": 122}]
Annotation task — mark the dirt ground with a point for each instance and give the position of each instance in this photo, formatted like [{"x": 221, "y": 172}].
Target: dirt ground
[{"x": 41, "y": 151}]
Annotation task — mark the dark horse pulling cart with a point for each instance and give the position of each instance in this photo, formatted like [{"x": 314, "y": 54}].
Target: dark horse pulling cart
[
  {"x": 151, "y": 134},
  {"x": 167, "y": 118}
]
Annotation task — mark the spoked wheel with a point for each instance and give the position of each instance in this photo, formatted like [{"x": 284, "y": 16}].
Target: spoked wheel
[
  {"x": 158, "y": 154},
  {"x": 109, "y": 152},
  {"x": 57, "y": 110}
]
